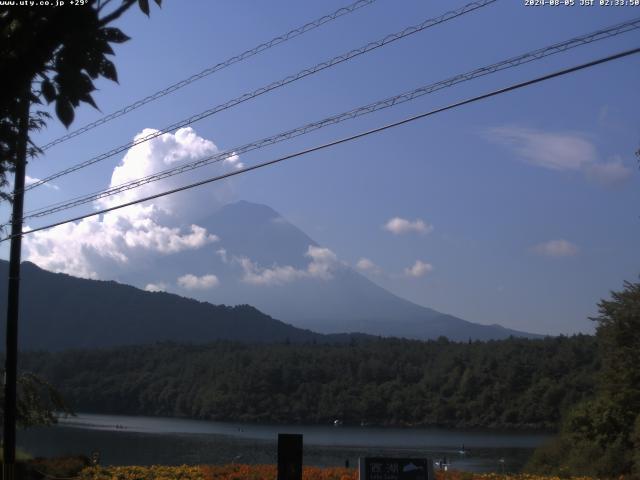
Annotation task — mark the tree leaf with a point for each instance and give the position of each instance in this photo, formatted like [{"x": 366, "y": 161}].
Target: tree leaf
[
  {"x": 92, "y": 65},
  {"x": 64, "y": 110},
  {"x": 114, "y": 35},
  {"x": 87, "y": 98},
  {"x": 104, "y": 47},
  {"x": 108, "y": 70},
  {"x": 144, "y": 6},
  {"x": 34, "y": 98},
  {"x": 48, "y": 90}
]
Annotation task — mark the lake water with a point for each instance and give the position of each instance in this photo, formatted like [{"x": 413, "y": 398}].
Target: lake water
[{"x": 129, "y": 440}]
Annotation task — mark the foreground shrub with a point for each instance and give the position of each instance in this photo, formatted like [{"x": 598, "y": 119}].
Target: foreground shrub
[
  {"x": 154, "y": 472},
  {"x": 60, "y": 466},
  {"x": 270, "y": 472}
]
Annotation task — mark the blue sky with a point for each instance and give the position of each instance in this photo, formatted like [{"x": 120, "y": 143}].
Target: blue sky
[{"x": 529, "y": 201}]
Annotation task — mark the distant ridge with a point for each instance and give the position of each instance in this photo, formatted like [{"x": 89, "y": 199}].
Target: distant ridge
[
  {"x": 348, "y": 302},
  {"x": 58, "y": 311}
]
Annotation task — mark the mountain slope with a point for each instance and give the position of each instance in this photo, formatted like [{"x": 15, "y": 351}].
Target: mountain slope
[
  {"x": 58, "y": 311},
  {"x": 256, "y": 235}
]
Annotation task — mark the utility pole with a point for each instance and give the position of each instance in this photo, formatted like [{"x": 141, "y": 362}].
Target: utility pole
[{"x": 11, "y": 360}]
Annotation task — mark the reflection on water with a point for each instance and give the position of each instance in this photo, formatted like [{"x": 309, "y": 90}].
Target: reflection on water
[{"x": 128, "y": 440}]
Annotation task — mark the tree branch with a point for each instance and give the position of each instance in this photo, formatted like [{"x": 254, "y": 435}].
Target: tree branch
[{"x": 117, "y": 13}]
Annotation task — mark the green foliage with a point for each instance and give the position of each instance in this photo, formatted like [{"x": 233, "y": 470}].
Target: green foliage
[
  {"x": 53, "y": 55},
  {"x": 37, "y": 401},
  {"x": 515, "y": 383},
  {"x": 601, "y": 436}
]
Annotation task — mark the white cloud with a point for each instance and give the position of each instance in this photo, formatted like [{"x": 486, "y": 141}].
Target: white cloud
[
  {"x": 323, "y": 263},
  {"x": 368, "y": 266},
  {"x": 568, "y": 151},
  {"x": 234, "y": 161},
  {"x": 418, "y": 269},
  {"x": 163, "y": 152},
  {"x": 31, "y": 180},
  {"x": 556, "y": 248},
  {"x": 103, "y": 247},
  {"x": 400, "y": 226},
  {"x": 156, "y": 287},
  {"x": 551, "y": 150},
  {"x": 150, "y": 236},
  {"x": 192, "y": 282},
  {"x": 268, "y": 276}
]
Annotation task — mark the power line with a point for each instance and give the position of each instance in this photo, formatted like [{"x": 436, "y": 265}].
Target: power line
[
  {"x": 363, "y": 110},
  {"x": 272, "y": 86},
  {"x": 213, "y": 69},
  {"x": 343, "y": 140}
]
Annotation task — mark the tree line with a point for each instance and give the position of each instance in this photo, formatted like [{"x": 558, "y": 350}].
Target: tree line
[{"x": 514, "y": 383}]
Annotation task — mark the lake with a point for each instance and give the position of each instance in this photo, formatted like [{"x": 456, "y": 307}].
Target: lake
[{"x": 129, "y": 440}]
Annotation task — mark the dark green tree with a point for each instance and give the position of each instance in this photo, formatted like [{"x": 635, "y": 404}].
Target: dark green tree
[
  {"x": 47, "y": 54},
  {"x": 38, "y": 401},
  {"x": 601, "y": 436}
]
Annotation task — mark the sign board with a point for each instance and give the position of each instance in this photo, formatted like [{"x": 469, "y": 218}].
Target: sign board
[
  {"x": 383, "y": 468},
  {"x": 289, "y": 456}
]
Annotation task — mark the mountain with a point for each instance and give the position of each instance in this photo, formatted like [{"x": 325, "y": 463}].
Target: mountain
[
  {"x": 58, "y": 311},
  {"x": 263, "y": 260}
]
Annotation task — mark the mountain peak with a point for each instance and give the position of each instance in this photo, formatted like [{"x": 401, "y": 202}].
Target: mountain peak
[{"x": 245, "y": 208}]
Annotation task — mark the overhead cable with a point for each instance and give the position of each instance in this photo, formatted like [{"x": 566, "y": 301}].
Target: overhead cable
[
  {"x": 342, "y": 140},
  {"x": 272, "y": 86},
  {"x": 213, "y": 69},
  {"x": 348, "y": 115}
]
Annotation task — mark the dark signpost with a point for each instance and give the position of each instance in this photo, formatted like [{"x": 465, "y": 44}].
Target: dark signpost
[
  {"x": 289, "y": 456},
  {"x": 383, "y": 468}
]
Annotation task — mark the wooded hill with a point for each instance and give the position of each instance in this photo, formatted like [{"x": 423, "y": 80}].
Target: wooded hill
[
  {"x": 58, "y": 312},
  {"x": 514, "y": 383}
]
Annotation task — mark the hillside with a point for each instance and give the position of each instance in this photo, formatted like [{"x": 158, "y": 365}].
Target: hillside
[
  {"x": 343, "y": 300},
  {"x": 58, "y": 311}
]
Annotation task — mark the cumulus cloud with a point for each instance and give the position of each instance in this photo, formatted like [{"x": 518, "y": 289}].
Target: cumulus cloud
[
  {"x": 156, "y": 287},
  {"x": 193, "y": 282},
  {"x": 276, "y": 275},
  {"x": 368, "y": 266},
  {"x": 400, "y": 226},
  {"x": 148, "y": 235},
  {"x": 322, "y": 265},
  {"x": 323, "y": 261},
  {"x": 568, "y": 151},
  {"x": 31, "y": 180},
  {"x": 556, "y": 248},
  {"x": 163, "y": 152},
  {"x": 95, "y": 245},
  {"x": 234, "y": 161},
  {"x": 100, "y": 247},
  {"x": 418, "y": 269}
]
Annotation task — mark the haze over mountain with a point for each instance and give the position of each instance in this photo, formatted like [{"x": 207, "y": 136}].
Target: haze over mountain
[
  {"x": 59, "y": 311},
  {"x": 263, "y": 260}
]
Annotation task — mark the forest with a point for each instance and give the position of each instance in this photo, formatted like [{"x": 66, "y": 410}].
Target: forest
[{"x": 513, "y": 383}]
